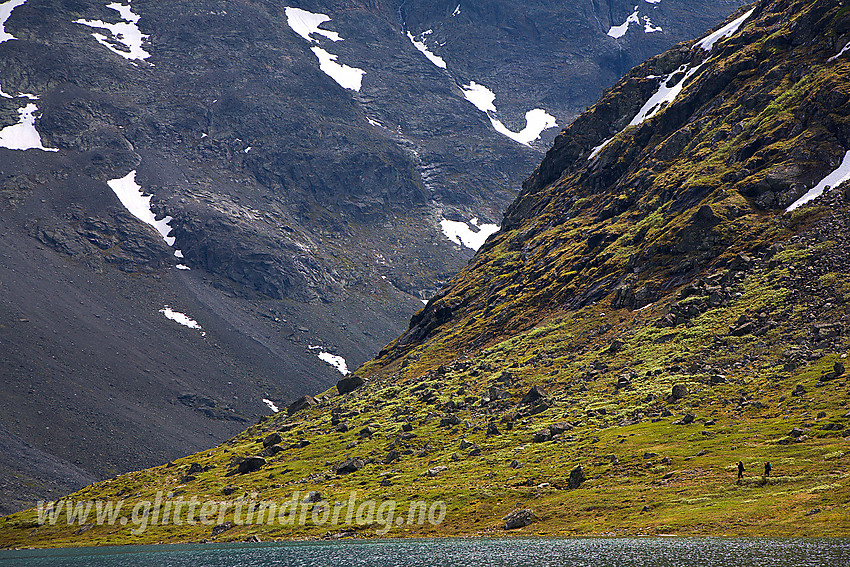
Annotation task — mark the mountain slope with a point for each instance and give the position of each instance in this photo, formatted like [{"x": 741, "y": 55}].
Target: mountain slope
[
  {"x": 314, "y": 215},
  {"x": 649, "y": 315}
]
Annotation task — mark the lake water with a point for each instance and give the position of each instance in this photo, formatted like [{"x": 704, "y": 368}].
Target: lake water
[{"x": 584, "y": 552}]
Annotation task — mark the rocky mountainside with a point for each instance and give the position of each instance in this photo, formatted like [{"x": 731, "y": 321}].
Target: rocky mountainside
[
  {"x": 667, "y": 297},
  {"x": 325, "y": 166}
]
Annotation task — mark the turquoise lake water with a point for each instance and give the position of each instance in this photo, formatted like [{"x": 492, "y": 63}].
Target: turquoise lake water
[{"x": 584, "y": 552}]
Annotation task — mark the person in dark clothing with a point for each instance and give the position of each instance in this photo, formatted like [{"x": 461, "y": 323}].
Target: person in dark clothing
[
  {"x": 740, "y": 470},
  {"x": 767, "y": 468}
]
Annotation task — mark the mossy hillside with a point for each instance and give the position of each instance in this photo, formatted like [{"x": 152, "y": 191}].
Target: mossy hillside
[{"x": 645, "y": 473}]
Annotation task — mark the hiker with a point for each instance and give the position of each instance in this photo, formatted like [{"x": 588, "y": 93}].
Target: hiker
[
  {"x": 767, "y": 468},
  {"x": 740, "y": 470}
]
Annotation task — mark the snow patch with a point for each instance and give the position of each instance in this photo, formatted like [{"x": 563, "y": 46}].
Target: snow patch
[
  {"x": 457, "y": 11},
  {"x": 424, "y": 301},
  {"x": 23, "y": 135},
  {"x": 598, "y": 148},
  {"x": 536, "y": 121},
  {"x": 134, "y": 200},
  {"x": 347, "y": 77},
  {"x": 665, "y": 93},
  {"x": 181, "y": 318},
  {"x": 707, "y": 43},
  {"x": 840, "y": 53},
  {"x": 6, "y": 10},
  {"x": 337, "y": 362},
  {"x": 125, "y": 34},
  {"x": 306, "y": 23},
  {"x": 648, "y": 27},
  {"x": 653, "y": 1},
  {"x": 462, "y": 233},
  {"x": 420, "y": 45},
  {"x": 834, "y": 179},
  {"x": 271, "y": 405},
  {"x": 480, "y": 96},
  {"x": 375, "y": 123},
  {"x": 182, "y": 267},
  {"x": 619, "y": 31}
]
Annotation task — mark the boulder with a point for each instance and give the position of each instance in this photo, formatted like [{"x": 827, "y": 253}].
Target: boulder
[
  {"x": 519, "y": 519},
  {"x": 679, "y": 391},
  {"x": 250, "y": 464},
  {"x": 543, "y": 435},
  {"x": 301, "y": 403},
  {"x": 576, "y": 477},
  {"x": 392, "y": 456},
  {"x": 272, "y": 439},
  {"x": 272, "y": 450},
  {"x": 560, "y": 428},
  {"x": 432, "y": 472},
  {"x": 534, "y": 395},
  {"x": 195, "y": 468},
  {"x": 349, "y": 384},
  {"x": 312, "y": 497},
  {"x": 492, "y": 429},
  {"x": 449, "y": 420},
  {"x": 351, "y": 465}
]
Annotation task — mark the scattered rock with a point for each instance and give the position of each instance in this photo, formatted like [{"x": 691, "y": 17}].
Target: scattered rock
[
  {"x": 195, "y": 468},
  {"x": 464, "y": 444},
  {"x": 406, "y": 427},
  {"x": 221, "y": 528},
  {"x": 823, "y": 331},
  {"x": 519, "y": 519},
  {"x": 228, "y": 490},
  {"x": 253, "y": 539},
  {"x": 250, "y": 464},
  {"x": 432, "y": 472},
  {"x": 492, "y": 429},
  {"x": 799, "y": 390},
  {"x": 343, "y": 427}
]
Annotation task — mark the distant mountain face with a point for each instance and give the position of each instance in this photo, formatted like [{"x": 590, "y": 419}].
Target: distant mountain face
[{"x": 317, "y": 168}]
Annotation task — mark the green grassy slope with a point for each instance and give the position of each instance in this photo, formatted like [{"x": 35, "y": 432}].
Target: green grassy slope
[{"x": 665, "y": 260}]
